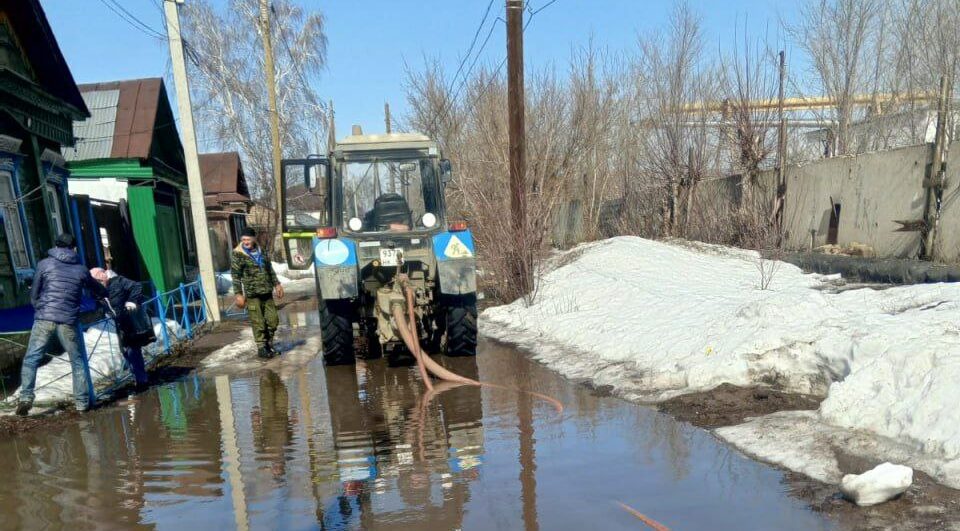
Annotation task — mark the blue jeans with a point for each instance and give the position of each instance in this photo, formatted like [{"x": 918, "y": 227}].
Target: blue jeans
[
  {"x": 134, "y": 357},
  {"x": 69, "y": 337}
]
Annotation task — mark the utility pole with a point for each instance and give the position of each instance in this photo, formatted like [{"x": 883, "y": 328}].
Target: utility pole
[
  {"x": 518, "y": 163},
  {"x": 386, "y": 116},
  {"x": 270, "y": 76},
  {"x": 935, "y": 179},
  {"x": 194, "y": 180},
  {"x": 781, "y": 151}
]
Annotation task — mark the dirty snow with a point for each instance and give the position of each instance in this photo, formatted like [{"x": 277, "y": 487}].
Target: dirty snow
[
  {"x": 657, "y": 319},
  {"x": 55, "y": 381},
  {"x": 878, "y": 485}
]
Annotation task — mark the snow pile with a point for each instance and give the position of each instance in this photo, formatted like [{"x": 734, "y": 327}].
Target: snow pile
[
  {"x": 656, "y": 320},
  {"x": 55, "y": 380},
  {"x": 281, "y": 269},
  {"x": 239, "y": 350},
  {"x": 883, "y": 483}
]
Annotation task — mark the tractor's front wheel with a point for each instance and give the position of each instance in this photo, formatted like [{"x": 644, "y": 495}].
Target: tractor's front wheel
[
  {"x": 336, "y": 331},
  {"x": 461, "y": 325}
]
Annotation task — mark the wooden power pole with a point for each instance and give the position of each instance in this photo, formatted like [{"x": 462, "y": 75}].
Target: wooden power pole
[
  {"x": 935, "y": 180},
  {"x": 189, "y": 137},
  {"x": 518, "y": 163},
  {"x": 270, "y": 76},
  {"x": 781, "y": 150}
]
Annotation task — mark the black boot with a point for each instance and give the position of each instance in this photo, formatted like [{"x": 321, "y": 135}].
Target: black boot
[
  {"x": 274, "y": 351},
  {"x": 264, "y": 353},
  {"x": 23, "y": 408}
]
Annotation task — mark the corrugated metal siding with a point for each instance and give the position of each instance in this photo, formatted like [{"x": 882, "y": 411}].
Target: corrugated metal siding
[{"x": 95, "y": 134}]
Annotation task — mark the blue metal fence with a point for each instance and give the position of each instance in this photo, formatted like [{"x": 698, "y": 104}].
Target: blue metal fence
[{"x": 176, "y": 315}]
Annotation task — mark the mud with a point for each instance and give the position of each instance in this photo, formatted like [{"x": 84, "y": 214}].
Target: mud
[
  {"x": 728, "y": 405},
  {"x": 926, "y": 505}
]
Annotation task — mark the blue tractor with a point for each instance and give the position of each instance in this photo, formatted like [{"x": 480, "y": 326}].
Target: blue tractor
[{"x": 369, "y": 214}]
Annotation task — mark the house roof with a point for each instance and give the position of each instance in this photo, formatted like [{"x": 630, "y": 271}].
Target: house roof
[
  {"x": 47, "y": 64},
  {"x": 129, "y": 119},
  {"x": 223, "y": 179}
]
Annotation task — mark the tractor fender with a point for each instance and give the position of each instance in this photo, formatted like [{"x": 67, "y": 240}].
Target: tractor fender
[
  {"x": 335, "y": 261},
  {"x": 456, "y": 262}
]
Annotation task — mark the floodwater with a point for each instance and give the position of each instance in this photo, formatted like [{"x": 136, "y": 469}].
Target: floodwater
[{"x": 308, "y": 447}]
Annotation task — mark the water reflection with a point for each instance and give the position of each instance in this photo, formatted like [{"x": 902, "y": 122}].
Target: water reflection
[
  {"x": 402, "y": 461},
  {"x": 303, "y": 446}
]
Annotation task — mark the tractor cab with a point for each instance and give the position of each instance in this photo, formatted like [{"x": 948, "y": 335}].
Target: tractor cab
[{"x": 372, "y": 210}]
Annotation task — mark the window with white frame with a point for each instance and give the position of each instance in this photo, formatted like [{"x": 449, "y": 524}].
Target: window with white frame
[
  {"x": 12, "y": 222},
  {"x": 56, "y": 212}
]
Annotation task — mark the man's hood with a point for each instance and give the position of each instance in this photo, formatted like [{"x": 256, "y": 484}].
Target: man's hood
[{"x": 67, "y": 256}]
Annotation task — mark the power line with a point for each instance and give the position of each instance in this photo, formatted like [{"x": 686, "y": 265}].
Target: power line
[
  {"x": 131, "y": 19},
  {"x": 473, "y": 42},
  {"x": 444, "y": 112}
]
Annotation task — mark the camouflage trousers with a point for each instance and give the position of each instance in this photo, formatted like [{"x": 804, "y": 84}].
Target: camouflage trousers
[{"x": 263, "y": 318}]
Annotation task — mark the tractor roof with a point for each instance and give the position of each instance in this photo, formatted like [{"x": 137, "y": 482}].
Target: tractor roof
[{"x": 389, "y": 141}]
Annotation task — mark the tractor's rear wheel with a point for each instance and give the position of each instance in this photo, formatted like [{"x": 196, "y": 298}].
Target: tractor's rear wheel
[
  {"x": 461, "y": 324},
  {"x": 336, "y": 331}
]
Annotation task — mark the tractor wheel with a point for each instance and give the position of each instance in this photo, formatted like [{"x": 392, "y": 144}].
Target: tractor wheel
[
  {"x": 462, "y": 326},
  {"x": 336, "y": 331}
]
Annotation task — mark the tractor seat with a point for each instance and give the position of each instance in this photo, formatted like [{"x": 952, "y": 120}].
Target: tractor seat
[{"x": 390, "y": 209}]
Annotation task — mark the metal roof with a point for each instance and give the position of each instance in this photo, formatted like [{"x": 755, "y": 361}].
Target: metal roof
[{"x": 95, "y": 134}]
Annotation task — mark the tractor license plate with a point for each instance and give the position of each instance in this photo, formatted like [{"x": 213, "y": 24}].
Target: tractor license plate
[{"x": 388, "y": 257}]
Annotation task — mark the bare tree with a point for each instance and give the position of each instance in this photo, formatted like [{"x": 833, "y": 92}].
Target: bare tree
[
  {"x": 226, "y": 52},
  {"x": 675, "y": 146},
  {"x": 839, "y": 37}
]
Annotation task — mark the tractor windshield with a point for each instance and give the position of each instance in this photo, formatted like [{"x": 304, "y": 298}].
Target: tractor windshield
[{"x": 389, "y": 194}]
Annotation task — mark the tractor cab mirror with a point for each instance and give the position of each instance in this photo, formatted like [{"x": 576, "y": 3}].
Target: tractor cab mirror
[
  {"x": 316, "y": 175},
  {"x": 446, "y": 171},
  {"x": 408, "y": 167}
]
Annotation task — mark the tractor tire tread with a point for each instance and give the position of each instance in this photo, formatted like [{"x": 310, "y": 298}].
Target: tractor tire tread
[
  {"x": 336, "y": 332},
  {"x": 462, "y": 329}
]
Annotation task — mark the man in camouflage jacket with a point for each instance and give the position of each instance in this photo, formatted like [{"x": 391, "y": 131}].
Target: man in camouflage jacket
[{"x": 254, "y": 284}]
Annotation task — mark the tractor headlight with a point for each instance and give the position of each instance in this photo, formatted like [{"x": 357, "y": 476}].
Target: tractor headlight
[
  {"x": 429, "y": 220},
  {"x": 355, "y": 224}
]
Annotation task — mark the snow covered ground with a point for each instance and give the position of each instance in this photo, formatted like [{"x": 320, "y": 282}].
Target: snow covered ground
[{"x": 657, "y": 319}]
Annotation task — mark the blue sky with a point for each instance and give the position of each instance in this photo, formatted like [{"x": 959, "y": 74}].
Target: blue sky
[{"x": 371, "y": 40}]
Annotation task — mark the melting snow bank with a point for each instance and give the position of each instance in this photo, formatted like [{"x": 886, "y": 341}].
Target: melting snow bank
[
  {"x": 55, "y": 380},
  {"x": 656, "y": 320}
]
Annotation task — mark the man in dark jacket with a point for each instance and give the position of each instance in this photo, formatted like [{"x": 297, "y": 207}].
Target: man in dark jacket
[
  {"x": 254, "y": 284},
  {"x": 125, "y": 296},
  {"x": 57, "y": 289}
]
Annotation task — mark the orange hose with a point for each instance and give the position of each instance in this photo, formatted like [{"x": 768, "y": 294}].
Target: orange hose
[
  {"x": 653, "y": 524},
  {"x": 408, "y": 331}
]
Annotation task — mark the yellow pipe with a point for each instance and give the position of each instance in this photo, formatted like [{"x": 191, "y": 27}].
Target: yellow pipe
[{"x": 801, "y": 103}]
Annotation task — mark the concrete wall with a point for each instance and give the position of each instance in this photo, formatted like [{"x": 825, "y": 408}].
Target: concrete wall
[{"x": 873, "y": 190}]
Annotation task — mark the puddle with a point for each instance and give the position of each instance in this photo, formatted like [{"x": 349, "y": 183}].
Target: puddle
[{"x": 355, "y": 448}]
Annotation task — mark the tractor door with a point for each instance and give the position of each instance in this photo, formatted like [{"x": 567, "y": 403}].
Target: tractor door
[{"x": 306, "y": 207}]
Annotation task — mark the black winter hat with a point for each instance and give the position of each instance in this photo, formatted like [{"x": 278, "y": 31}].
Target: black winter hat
[
  {"x": 247, "y": 231},
  {"x": 65, "y": 240}
]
